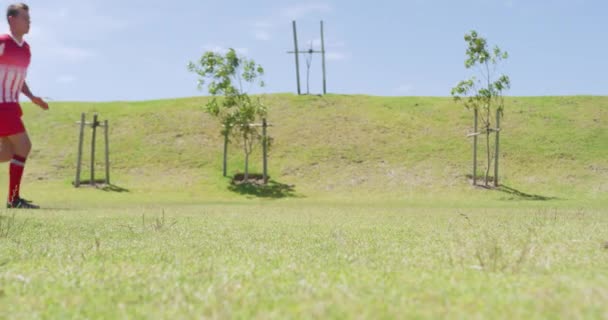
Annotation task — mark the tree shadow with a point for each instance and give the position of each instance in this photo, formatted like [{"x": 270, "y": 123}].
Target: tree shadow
[
  {"x": 516, "y": 194},
  {"x": 101, "y": 185},
  {"x": 272, "y": 189},
  {"x": 519, "y": 195},
  {"x": 113, "y": 188}
]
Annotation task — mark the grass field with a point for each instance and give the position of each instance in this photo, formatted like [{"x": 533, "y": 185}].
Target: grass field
[
  {"x": 305, "y": 261},
  {"x": 370, "y": 215}
]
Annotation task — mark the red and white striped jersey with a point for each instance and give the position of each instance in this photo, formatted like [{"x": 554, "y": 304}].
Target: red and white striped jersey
[{"x": 14, "y": 59}]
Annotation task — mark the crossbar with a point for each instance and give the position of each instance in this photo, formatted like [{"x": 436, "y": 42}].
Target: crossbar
[
  {"x": 479, "y": 133},
  {"x": 256, "y": 125},
  {"x": 99, "y": 124}
]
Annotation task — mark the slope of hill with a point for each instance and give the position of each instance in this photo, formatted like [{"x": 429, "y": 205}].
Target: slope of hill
[{"x": 331, "y": 147}]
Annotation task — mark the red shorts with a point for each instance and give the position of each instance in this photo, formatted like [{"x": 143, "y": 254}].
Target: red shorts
[{"x": 10, "y": 120}]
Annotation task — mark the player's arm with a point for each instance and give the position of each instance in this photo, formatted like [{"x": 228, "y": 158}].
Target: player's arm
[{"x": 36, "y": 100}]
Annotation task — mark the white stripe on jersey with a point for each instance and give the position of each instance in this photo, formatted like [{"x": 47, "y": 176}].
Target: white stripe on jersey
[
  {"x": 2, "y": 75},
  {"x": 8, "y": 83},
  {"x": 16, "y": 87},
  {"x": 11, "y": 83}
]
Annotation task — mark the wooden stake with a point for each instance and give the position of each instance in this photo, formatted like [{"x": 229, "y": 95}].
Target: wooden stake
[
  {"x": 265, "y": 150},
  {"x": 497, "y": 148},
  {"x": 225, "y": 163},
  {"x": 93, "y": 149},
  {"x": 107, "y": 142},
  {"x": 475, "y": 150},
  {"x": 79, "y": 157}
]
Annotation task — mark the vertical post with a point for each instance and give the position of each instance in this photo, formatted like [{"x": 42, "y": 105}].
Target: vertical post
[
  {"x": 79, "y": 156},
  {"x": 105, "y": 129},
  {"x": 93, "y": 149},
  {"x": 297, "y": 54},
  {"x": 265, "y": 149},
  {"x": 323, "y": 59},
  {"x": 225, "y": 150},
  {"x": 475, "y": 149},
  {"x": 497, "y": 147}
]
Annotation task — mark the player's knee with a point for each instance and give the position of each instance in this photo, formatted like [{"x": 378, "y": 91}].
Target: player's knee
[
  {"x": 6, "y": 150},
  {"x": 28, "y": 148},
  {"x": 24, "y": 148}
]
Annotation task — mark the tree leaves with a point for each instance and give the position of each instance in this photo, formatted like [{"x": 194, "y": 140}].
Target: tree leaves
[
  {"x": 475, "y": 93},
  {"x": 230, "y": 103}
]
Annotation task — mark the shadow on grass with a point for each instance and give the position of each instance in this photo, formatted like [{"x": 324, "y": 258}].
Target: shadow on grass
[
  {"x": 101, "y": 185},
  {"x": 272, "y": 189},
  {"x": 519, "y": 195},
  {"x": 515, "y": 194},
  {"x": 113, "y": 188}
]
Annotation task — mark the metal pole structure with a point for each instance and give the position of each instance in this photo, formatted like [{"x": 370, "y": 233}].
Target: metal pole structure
[
  {"x": 475, "y": 150},
  {"x": 265, "y": 148},
  {"x": 79, "y": 157},
  {"x": 295, "y": 44},
  {"x": 323, "y": 59},
  {"x": 308, "y": 63},
  {"x": 105, "y": 129},
  {"x": 497, "y": 146},
  {"x": 225, "y": 151},
  {"x": 93, "y": 149}
]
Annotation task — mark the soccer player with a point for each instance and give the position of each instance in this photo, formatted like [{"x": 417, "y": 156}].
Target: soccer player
[{"x": 15, "y": 57}]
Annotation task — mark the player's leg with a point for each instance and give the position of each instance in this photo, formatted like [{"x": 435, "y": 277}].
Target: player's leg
[
  {"x": 6, "y": 150},
  {"x": 21, "y": 146}
]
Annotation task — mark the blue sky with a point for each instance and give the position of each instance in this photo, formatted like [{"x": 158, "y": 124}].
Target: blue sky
[{"x": 104, "y": 50}]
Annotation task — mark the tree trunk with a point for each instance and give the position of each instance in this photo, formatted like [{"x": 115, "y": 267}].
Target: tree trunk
[
  {"x": 488, "y": 155},
  {"x": 246, "y": 178},
  {"x": 246, "y": 167}
]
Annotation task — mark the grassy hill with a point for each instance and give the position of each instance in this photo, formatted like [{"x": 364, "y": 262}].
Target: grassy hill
[
  {"x": 333, "y": 147},
  {"x": 381, "y": 222}
]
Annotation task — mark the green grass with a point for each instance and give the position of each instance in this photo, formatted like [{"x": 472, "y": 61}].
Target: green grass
[
  {"x": 369, "y": 214},
  {"x": 305, "y": 261}
]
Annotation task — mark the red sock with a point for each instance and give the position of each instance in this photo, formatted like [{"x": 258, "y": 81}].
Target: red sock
[{"x": 16, "y": 172}]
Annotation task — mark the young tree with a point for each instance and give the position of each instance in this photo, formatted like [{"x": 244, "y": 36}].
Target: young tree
[
  {"x": 483, "y": 95},
  {"x": 225, "y": 75}
]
